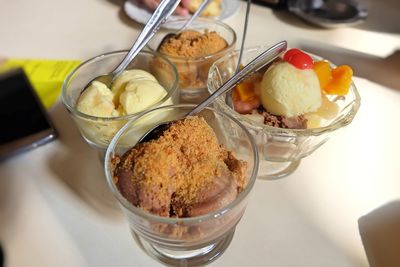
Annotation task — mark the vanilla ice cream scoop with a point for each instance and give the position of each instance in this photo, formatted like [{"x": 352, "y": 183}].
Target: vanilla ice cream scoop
[
  {"x": 289, "y": 91},
  {"x": 119, "y": 85},
  {"x": 133, "y": 91},
  {"x": 140, "y": 95},
  {"x": 97, "y": 100}
]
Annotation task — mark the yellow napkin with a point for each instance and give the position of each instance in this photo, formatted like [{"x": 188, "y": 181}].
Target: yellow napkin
[{"x": 45, "y": 75}]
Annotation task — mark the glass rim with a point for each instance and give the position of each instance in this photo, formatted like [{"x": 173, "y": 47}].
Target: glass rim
[
  {"x": 142, "y": 213},
  {"x": 201, "y": 58},
  {"x": 336, "y": 124},
  {"x": 76, "y": 112}
]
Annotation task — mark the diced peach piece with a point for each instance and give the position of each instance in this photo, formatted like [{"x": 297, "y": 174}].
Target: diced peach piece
[
  {"x": 324, "y": 72},
  {"x": 341, "y": 81},
  {"x": 245, "y": 91}
]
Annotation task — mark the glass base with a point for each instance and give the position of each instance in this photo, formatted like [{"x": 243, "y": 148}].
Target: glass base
[
  {"x": 272, "y": 170},
  {"x": 182, "y": 257}
]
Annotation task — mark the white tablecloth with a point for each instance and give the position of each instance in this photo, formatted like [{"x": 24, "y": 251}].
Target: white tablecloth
[{"x": 56, "y": 210}]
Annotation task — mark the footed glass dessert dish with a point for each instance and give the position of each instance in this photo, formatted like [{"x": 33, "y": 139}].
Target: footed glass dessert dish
[
  {"x": 170, "y": 237},
  {"x": 281, "y": 149}
]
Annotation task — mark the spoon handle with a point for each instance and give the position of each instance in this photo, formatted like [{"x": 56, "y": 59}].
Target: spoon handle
[
  {"x": 228, "y": 97},
  {"x": 202, "y": 6},
  {"x": 246, "y": 22},
  {"x": 160, "y": 15},
  {"x": 261, "y": 60}
]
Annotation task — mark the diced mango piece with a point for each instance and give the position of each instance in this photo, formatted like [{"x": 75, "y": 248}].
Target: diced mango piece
[
  {"x": 324, "y": 72},
  {"x": 235, "y": 94},
  {"x": 341, "y": 81},
  {"x": 244, "y": 91}
]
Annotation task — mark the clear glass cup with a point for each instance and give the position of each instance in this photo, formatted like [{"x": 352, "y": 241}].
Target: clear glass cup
[
  {"x": 281, "y": 150},
  {"x": 193, "y": 72},
  {"x": 98, "y": 131},
  {"x": 185, "y": 241}
]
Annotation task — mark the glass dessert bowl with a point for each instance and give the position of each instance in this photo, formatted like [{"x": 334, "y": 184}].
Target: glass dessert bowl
[
  {"x": 96, "y": 123},
  {"x": 281, "y": 149},
  {"x": 172, "y": 238},
  {"x": 195, "y": 50}
]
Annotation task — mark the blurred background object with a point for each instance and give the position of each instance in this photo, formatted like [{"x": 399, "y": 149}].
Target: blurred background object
[
  {"x": 329, "y": 13},
  {"x": 380, "y": 234},
  {"x": 382, "y": 15},
  {"x": 323, "y": 13},
  {"x": 46, "y": 75},
  {"x": 1, "y": 257},
  {"x": 218, "y": 9},
  {"x": 381, "y": 70}
]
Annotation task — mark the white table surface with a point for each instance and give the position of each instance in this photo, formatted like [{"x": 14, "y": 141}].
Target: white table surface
[{"x": 55, "y": 208}]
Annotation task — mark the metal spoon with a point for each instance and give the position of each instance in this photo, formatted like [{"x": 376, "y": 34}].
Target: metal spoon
[
  {"x": 260, "y": 61},
  {"x": 160, "y": 15},
  {"x": 202, "y": 6},
  {"x": 228, "y": 97}
]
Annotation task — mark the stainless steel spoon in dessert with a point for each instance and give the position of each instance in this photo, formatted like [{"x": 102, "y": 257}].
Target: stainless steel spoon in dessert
[
  {"x": 260, "y": 61},
  {"x": 228, "y": 97},
  {"x": 160, "y": 15},
  {"x": 200, "y": 9}
]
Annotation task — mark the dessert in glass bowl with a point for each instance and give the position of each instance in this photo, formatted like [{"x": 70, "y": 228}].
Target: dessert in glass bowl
[
  {"x": 194, "y": 50},
  {"x": 185, "y": 191},
  {"x": 291, "y": 106},
  {"x": 99, "y": 111}
]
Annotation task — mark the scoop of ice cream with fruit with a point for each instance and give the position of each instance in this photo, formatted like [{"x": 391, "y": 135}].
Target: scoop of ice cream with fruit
[
  {"x": 293, "y": 92},
  {"x": 291, "y": 106}
]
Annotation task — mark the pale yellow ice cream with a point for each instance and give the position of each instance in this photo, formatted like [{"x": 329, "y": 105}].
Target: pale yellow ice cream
[
  {"x": 97, "y": 100},
  {"x": 119, "y": 85},
  {"x": 140, "y": 95},
  {"x": 289, "y": 91},
  {"x": 133, "y": 91}
]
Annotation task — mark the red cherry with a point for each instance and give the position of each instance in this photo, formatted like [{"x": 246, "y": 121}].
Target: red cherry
[
  {"x": 299, "y": 59},
  {"x": 302, "y": 61},
  {"x": 290, "y": 53}
]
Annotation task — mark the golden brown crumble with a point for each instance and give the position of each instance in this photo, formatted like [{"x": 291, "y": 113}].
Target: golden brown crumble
[
  {"x": 193, "y": 44},
  {"x": 173, "y": 174}
]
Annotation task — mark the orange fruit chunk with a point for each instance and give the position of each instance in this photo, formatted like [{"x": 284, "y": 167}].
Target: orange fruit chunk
[
  {"x": 244, "y": 91},
  {"x": 341, "y": 81},
  {"x": 324, "y": 72}
]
